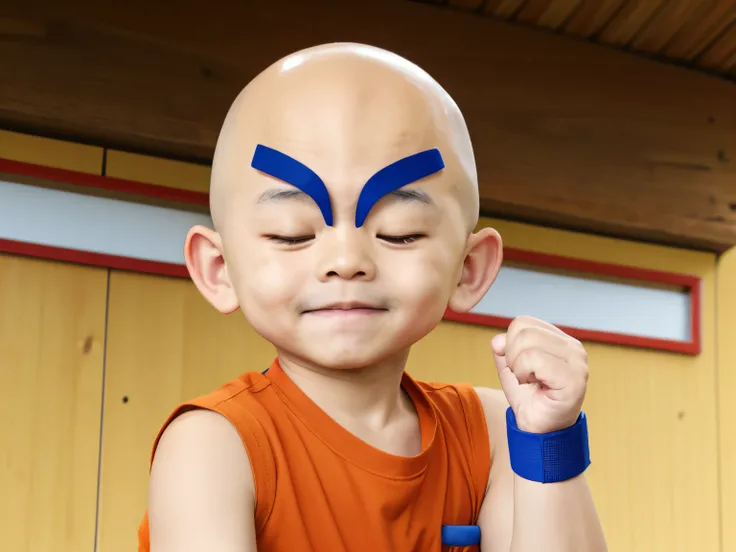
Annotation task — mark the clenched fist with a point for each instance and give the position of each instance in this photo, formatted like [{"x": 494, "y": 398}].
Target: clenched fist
[{"x": 543, "y": 373}]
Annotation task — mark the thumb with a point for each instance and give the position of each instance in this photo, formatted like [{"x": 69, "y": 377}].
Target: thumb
[
  {"x": 509, "y": 382},
  {"x": 498, "y": 344}
]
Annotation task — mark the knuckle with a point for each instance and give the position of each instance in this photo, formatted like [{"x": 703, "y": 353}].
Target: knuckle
[
  {"x": 529, "y": 358},
  {"x": 525, "y": 333}
]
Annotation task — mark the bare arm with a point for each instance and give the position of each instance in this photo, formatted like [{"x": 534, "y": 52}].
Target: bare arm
[
  {"x": 201, "y": 489},
  {"x": 518, "y": 515}
]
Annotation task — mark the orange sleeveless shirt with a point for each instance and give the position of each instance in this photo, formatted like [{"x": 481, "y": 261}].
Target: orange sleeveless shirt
[{"x": 320, "y": 488}]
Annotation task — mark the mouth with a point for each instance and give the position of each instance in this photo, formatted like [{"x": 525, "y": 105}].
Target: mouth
[{"x": 346, "y": 308}]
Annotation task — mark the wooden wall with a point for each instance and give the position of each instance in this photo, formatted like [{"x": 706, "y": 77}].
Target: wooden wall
[
  {"x": 52, "y": 340},
  {"x": 92, "y": 361},
  {"x": 726, "y": 385},
  {"x": 565, "y": 132}
]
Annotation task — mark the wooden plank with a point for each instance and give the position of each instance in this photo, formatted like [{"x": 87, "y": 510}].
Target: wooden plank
[
  {"x": 700, "y": 31},
  {"x": 489, "y": 6},
  {"x": 558, "y": 13},
  {"x": 162, "y": 172},
  {"x": 550, "y": 14},
  {"x": 667, "y": 22},
  {"x": 161, "y": 335},
  {"x": 506, "y": 9},
  {"x": 532, "y": 10},
  {"x": 717, "y": 56},
  {"x": 565, "y": 133},
  {"x": 593, "y": 17},
  {"x": 59, "y": 154},
  {"x": 52, "y": 338},
  {"x": 726, "y": 355},
  {"x": 629, "y": 22},
  {"x": 467, "y": 4}
]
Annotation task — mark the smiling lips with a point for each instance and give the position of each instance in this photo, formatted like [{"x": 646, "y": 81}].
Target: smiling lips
[{"x": 346, "y": 309}]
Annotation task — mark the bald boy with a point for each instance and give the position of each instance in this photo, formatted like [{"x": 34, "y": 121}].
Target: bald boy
[{"x": 344, "y": 198}]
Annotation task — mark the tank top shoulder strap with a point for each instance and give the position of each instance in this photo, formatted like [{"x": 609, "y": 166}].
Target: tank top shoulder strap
[
  {"x": 235, "y": 402},
  {"x": 461, "y": 408}
]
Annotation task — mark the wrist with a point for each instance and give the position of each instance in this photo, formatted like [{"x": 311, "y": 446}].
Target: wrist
[
  {"x": 548, "y": 457},
  {"x": 542, "y": 427}
]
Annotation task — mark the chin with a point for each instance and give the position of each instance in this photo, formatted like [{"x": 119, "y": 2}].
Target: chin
[
  {"x": 350, "y": 354},
  {"x": 339, "y": 349},
  {"x": 347, "y": 359}
]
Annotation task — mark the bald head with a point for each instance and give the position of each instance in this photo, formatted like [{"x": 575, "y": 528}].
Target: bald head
[{"x": 350, "y": 110}]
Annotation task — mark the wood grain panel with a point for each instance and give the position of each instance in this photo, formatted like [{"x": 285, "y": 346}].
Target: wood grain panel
[
  {"x": 701, "y": 29},
  {"x": 677, "y": 30},
  {"x": 726, "y": 322},
  {"x": 652, "y": 416},
  {"x": 52, "y": 331},
  {"x": 165, "y": 345},
  {"x": 532, "y": 10},
  {"x": 162, "y": 172},
  {"x": 592, "y": 17},
  {"x": 558, "y": 12},
  {"x": 566, "y": 133},
  {"x": 506, "y": 9},
  {"x": 668, "y": 21},
  {"x": 720, "y": 54},
  {"x": 630, "y": 21},
  {"x": 59, "y": 154}
]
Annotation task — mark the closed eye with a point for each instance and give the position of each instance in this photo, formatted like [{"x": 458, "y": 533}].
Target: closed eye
[
  {"x": 401, "y": 240},
  {"x": 285, "y": 240}
]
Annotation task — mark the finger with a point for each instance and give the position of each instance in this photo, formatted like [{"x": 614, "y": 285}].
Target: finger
[
  {"x": 536, "y": 322},
  {"x": 537, "y": 365},
  {"x": 506, "y": 377},
  {"x": 535, "y": 338},
  {"x": 498, "y": 344},
  {"x": 521, "y": 323},
  {"x": 509, "y": 384}
]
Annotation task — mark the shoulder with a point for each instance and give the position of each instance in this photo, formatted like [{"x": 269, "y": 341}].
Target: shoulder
[
  {"x": 201, "y": 484},
  {"x": 479, "y": 404},
  {"x": 494, "y": 405},
  {"x": 217, "y": 443},
  {"x": 241, "y": 388},
  {"x": 456, "y": 402},
  {"x": 494, "y": 409},
  {"x": 229, "y": 405},
  {"x": 194, "y": 428},
  {"x": 203, "y": 447}
]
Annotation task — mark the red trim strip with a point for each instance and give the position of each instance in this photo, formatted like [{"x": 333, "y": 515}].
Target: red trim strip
[
  {"x": 691, "y": 283},
  {"x": 594, "y": 267},
  {"x": 103, "y": 182},
  {"x": 688, "y": 347},
  {"x": 93, "y": 259}
]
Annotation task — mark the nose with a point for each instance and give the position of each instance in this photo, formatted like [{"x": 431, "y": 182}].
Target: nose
[{"x": 346, "y": 254}]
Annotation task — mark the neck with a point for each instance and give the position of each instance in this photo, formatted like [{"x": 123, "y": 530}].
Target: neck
[{"x": 371, "y": 394}]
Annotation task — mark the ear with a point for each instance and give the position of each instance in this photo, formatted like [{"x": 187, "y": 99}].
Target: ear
[
  {"x": 206, "y": 265},
  {"x": 480, "y": 268}
]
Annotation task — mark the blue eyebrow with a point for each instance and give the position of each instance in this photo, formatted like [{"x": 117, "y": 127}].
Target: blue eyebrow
[
  {"x": 394, "y": 176},
  {"x": 287, "y": 169}
]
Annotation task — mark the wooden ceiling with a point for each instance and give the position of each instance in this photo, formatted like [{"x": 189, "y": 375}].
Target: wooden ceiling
[{"x": 700, "y": 34}]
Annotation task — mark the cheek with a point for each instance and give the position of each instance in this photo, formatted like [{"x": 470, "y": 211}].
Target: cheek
[
  {"x": 266, "y": 281},
  {"x": 424, "y": 280}
]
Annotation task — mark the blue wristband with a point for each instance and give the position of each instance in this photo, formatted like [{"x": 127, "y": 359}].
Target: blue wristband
[{"x": 548, "y": 457}]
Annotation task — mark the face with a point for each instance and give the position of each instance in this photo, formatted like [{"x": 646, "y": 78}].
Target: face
[
  {"x": 326, "y": 276},
  {"x": 340, "y": 295}
]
